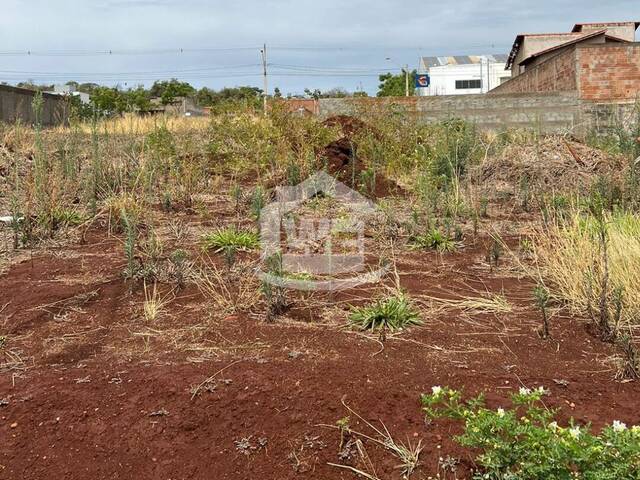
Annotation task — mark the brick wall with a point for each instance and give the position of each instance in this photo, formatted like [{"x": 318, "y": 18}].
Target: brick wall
[
  {"x": 609, "y": 72},
  {"x": 558, "y": 74},
  {"x": 300, "y": 105}
]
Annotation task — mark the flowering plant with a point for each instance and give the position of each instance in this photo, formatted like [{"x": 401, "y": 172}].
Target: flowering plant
[{"x": 525, "y": 442}]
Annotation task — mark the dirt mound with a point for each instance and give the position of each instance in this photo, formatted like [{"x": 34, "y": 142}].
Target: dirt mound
[
  {"x": 554, "y": 163},
  {"x": 342, "y": 161},
  {"x": 349, "y": 125}
]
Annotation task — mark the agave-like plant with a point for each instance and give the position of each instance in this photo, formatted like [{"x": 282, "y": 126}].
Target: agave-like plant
[
  {"x": 230, "y": 237},
  {"x": 434, "y": 240},
  {"x": 390, "y": 313}
]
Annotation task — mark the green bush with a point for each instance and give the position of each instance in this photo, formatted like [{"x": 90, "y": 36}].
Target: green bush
[
  {"x": 390, "y": 313},
  {"x": 230, "y": 237},
  {"x": 524, "y": 442},
  {"x": 433, "y": 240}
]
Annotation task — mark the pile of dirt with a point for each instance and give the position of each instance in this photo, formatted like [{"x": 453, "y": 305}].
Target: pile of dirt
[
  {"x": 349, "y": 125},
  {"x": 341, "y": 160},
  {"x": 553, "y": 163}
]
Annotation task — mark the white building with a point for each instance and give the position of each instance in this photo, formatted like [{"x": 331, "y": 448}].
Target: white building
[
  {"x": 461, "y": 75},
  {"x": 71, "y": 90}
]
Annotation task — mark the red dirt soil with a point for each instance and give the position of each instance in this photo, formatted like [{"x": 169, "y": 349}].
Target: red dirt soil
[
  {"x": 89, "y": 390},
  {"x": 342, "y": 161},
  {"x": 348, "y": 124}
]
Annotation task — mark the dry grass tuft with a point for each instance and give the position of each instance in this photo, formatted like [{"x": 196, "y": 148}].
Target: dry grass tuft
[
  {"x": 568, "y": 257},
  {"x": 154, "y": 303},
  {"x": 488, "y": 303}
]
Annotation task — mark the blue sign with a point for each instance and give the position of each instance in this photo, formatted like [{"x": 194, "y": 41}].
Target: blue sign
[{"x": 423, "y": 80}]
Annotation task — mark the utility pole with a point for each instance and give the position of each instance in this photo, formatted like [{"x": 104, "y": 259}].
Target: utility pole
[
  {"x": 406, "y": 80},
  {"x": 264, "y": 71}
]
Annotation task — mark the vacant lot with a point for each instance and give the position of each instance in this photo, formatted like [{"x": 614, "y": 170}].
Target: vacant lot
[{"x": 138, "y": 341}]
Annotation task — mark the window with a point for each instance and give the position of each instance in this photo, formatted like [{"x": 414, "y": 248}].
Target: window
[{"x": 468, "y": 84}]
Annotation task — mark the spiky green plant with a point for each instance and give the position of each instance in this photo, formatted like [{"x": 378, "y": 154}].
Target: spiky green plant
[
  {"x": 258, "y": 201},
  {"x": 433, "y": 240},
  {"x": 275, "y": 295},
  {"x": 541, "y": 295},
  {"x": 391, "y": 313},
  {"x": 131, "y": 236},
  {"x": 230, "y": 237}
]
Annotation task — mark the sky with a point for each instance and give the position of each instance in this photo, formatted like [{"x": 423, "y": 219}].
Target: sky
[{"x": 310, "y": 44}]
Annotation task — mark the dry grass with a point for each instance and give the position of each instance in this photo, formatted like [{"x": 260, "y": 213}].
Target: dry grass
[
  {"x": 131, "y": 124},
  {"x": 407, "y": 453},
  {"x": 154, "y": 303},
  {"x": 231, "y": 290},
  {"x": 487, "y": 303},
  {"x": 568, "y": 258}
]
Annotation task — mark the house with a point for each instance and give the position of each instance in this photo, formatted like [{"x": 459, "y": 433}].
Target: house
[
  {"x": 460, "y": 75},
  {"x": 299, "y": 106},
  {"x": 178, "y": 106},
  {"x": 70, "y": 90},
  {"x": 600, "y": 61}
]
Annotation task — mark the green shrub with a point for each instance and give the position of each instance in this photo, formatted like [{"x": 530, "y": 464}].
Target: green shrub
[
  {"x": 524, "y": 442},
  {"x": 433, "y": 240},
  {"x": 456, "y": 148},
  {"x": 230, "y": 237},
  {"x": 390, "y": 313}
]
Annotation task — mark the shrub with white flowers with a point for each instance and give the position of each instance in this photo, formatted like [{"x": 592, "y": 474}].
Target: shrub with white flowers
[{"x": 525, "y": 442}]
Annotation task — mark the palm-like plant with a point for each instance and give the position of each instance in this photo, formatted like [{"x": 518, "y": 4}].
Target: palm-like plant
[
  {"x": 434, "y": 240},
  {"x": 227, "y": 237},
  {"x": 390, "y": 313}
]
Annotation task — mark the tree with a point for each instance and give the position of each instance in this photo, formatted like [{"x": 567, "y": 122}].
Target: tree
[
  {"x": 315, "y": 94},
  {"x": 337, "y": 92},
  {"x": 108, "y": 101},
  {"x": 138, "y": 99},
  {"x": 230, "y": 98},
  {"x": 168, "y": 90},
  {"x": 31, "y": 85},
  {"x": 87, "y": 87},
  {"x": 394, "y": 85},
  {"x": 277, "y": 93}
]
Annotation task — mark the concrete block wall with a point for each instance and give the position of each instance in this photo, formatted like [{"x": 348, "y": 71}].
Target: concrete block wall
[
  {"x": 16, "y": 104},
  {"x": 609, "y": 72},
  {"x": 555, "y": 112},
  {"x": 547, "y": 112}
]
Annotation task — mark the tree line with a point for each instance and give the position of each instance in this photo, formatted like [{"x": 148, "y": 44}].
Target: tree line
[{"x": 106, "y": 101}]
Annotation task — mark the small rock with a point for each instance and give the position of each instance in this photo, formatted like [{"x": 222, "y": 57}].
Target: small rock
[
  {"x": 159, "y": 413},
  {"x": 14, "y": 425}
]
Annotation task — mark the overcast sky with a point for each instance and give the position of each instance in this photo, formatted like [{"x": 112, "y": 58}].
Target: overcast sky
[{"x": 314, "y": 44}]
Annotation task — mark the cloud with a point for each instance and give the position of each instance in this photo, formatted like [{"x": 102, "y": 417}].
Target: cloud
[{"x": 330, "y": 34}]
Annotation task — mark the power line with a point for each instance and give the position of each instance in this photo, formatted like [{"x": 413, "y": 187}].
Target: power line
[
  {"x": 85, "y": 53},
  {"x": 179, "y": 51},
  {"x": 189, "y": 70}
]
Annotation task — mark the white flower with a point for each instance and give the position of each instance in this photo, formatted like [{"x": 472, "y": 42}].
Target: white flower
[
  {"x": 553, "y": 426},
  {"x": 501, "y": 412},
  {"x": 525, "y": 391},
  {"x": 619, "y": 426},
  {"x": 541, "y": 390},
  {"x": 437, "y": 390},
  {"x": 574, "y": 432}
]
